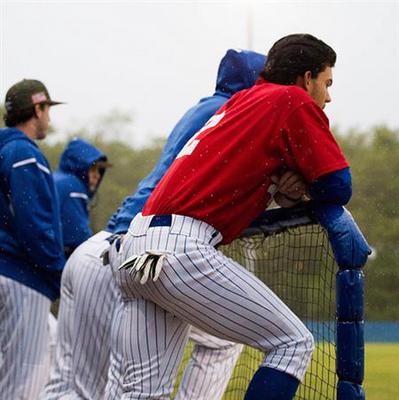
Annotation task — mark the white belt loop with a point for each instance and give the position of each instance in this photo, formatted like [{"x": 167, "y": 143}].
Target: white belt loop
[{"x": 140, "y": 224}]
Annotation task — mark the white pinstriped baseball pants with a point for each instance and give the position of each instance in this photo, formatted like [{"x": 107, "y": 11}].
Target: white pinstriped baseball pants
[
  {"x": 205, "y": 377},
  {"x": 88, "y": 362},
  {"x": 85, "y": 315},
  {"x": 24, "y": 349},
  {"x": 199, "y": 286}
]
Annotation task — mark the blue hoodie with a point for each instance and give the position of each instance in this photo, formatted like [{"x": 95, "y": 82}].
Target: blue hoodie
[
  {"x": 238, "y": 70},
  {"x": 71, "y": 181},
  {"x": 31, "y": 249}
]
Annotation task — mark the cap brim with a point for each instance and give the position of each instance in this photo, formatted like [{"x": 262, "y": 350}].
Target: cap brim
[{"x": 55, "y": 103}]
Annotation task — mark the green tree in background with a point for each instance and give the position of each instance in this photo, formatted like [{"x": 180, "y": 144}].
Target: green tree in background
[{"x": 374, "y": 159}]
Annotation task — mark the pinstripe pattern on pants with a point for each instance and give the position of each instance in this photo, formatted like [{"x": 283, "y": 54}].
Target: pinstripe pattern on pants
[
  {"x": 24, "y": 335},
  {"x": 84, "y": 323},
  {"x": 205, "y": 377},
  {"x": 202, "y": 287},
  {"x": 210, "y": 367},
  {"x": 90, "y": 321}
]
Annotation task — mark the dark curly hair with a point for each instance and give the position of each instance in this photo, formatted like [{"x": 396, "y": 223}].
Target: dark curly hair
[{"x": 293, "y": 55}]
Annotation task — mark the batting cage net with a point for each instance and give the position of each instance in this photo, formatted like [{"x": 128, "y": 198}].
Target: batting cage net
[{"x": 291, "y": 254}]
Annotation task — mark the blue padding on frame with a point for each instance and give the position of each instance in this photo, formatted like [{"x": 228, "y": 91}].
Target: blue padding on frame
[
  {"x": 347, "y": 241},
  {"x": 350, "y": 295},
  {"x": 350, "y": 351},
  {"x": 349, "y": 391}
]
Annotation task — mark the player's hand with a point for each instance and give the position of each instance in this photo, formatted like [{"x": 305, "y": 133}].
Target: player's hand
[
  {"x": 283, "y": 201},
  {"x": 291, "y": 184}
]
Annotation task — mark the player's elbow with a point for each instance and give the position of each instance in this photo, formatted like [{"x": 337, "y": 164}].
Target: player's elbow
[
  {"x": 335, "y": 188},
  {"x": 346, "y": 194}
]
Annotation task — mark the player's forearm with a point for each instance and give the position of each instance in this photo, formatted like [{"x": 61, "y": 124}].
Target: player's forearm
[{"x": 334, "y": 188}]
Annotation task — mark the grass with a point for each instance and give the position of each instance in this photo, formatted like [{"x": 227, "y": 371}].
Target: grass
[{"x": 381, "y": 373}]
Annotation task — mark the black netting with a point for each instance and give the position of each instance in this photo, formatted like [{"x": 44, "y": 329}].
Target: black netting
[{"x": 298, "y": 265}]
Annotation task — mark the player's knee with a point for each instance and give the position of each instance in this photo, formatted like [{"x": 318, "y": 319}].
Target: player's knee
[
  {"x": 304, "y": 345},
  {"x": 309, "y": 343},
  {"x": 301, "y": 354},
  {"x": 304, "y": 349}
]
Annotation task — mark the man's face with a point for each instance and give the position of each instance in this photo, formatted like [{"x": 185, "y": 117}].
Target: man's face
[
  {"x": 43, "y": 121},
  {"x": 94, "y": 177},
  {"x": 318, "y": 87}
]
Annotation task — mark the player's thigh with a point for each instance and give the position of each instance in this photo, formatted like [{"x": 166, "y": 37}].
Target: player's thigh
[{"x": 217, "y": 295}]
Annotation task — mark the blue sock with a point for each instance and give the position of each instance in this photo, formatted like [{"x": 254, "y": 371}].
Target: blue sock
[{"x": 271, "y": 384}]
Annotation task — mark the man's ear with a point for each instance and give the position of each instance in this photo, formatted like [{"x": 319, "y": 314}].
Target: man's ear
[
  {"x": 37, "y": 110},
  {"x": 304, "y": 81},
  {"x": 307, "y": 77}
]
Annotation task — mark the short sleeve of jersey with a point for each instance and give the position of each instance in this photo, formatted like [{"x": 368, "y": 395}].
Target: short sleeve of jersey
[{"x": 309, "y": 147}]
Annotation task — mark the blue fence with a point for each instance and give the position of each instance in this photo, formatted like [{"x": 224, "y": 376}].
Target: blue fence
[
  {"x": 374, "y": 331},
  {"x": 381, "y": 331}
]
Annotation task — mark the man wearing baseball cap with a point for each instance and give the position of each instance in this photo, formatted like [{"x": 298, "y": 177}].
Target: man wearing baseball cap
[
  {"x": 31, "y": 251},
  {"x": 28, "y": 102}
]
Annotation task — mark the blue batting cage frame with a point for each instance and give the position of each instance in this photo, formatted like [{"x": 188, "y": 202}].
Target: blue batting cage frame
[{"x": 351, "y": 251}]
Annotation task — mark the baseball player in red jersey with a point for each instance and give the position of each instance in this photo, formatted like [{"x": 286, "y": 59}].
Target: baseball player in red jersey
[{"x": 172, "y": 275}]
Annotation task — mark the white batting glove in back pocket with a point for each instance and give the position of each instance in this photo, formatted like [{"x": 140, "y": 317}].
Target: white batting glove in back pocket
[{"x": 145, "y": 267}]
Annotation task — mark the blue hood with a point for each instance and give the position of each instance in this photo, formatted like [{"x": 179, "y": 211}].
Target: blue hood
[
  {"x": 78, "y": 157},
  {"x": 10, "y": 134},
  {"x": 238, "y": 70}
]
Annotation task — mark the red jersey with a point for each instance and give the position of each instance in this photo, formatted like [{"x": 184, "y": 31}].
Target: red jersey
[{"x": 222, "y": 175}]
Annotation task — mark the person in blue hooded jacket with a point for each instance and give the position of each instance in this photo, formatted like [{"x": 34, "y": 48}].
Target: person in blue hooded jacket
[
  {"x": 238, "y": 70},
  {"x": 90, "y": 302},
  {"x": 31, "y": 252},
  {"x": 80, "y": 172}
]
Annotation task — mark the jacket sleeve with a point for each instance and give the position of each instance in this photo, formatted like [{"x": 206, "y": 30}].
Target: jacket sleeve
[
  {"x": 334, "y": 188},
  {"x": 75, "y": 218},
  {"x": 34, "y": 205}
]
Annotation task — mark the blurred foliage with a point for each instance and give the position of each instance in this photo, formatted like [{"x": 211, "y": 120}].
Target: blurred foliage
[{"x": 374, "y": 160}]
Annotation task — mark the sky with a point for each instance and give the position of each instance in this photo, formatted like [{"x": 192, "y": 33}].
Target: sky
[{"x": 152, "y": 60}]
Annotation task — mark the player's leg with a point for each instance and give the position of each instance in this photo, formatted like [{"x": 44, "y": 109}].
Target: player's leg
[
  {"x": 244, "y": 310},
  {"x": 82, "y": 355},
  {"x": 52, "y": 326},
  {"x": 94, "y": 307},
  {"x": 153, "y": 343},
  {"x": 61, "y": 375},
  {"x": 210, "y": 367},
  {"x": 206, "y": 376},
  {"x": 204, "y": 288},
  {"x": 113, "y": 389},
  {"x": 23, "y": 340}
]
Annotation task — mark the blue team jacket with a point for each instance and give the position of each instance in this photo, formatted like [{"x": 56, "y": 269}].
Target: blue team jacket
[
  {"x": 238, "y": 70},
  {"x": 71, "y": 181},
  {"x": 31, "y": 249}
]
